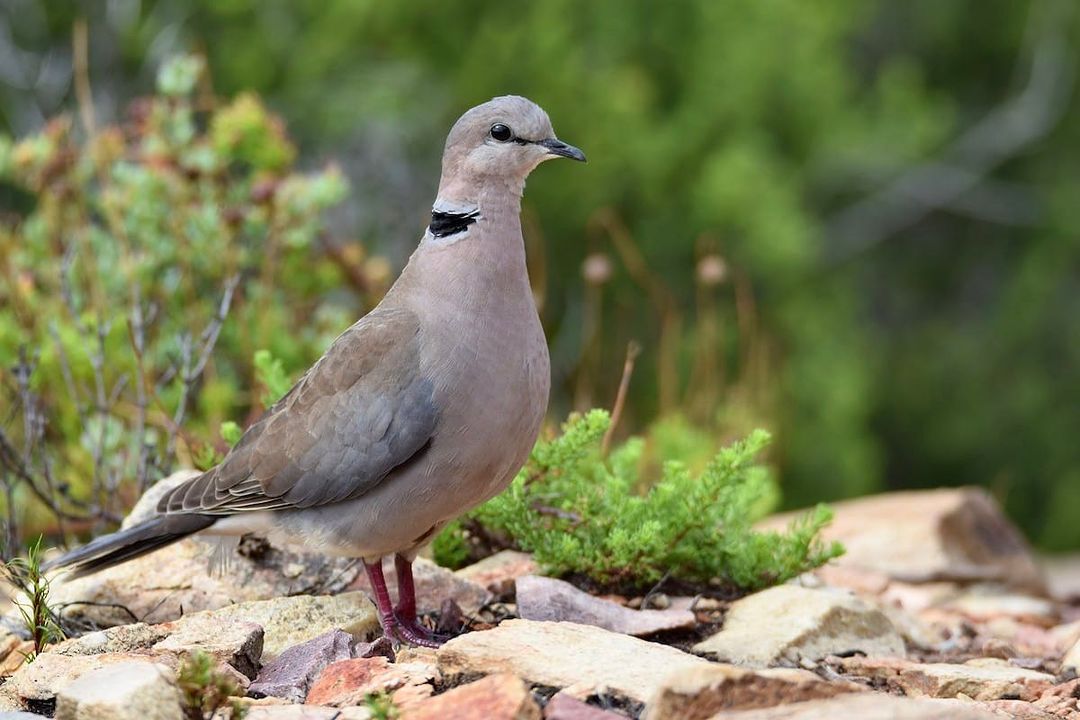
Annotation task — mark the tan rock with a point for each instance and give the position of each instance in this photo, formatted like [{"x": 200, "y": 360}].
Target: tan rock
[
  {"x": 237, "y": 643},
  {"x": 1071, "y": 659},
  {"x": 543, "y": 598},
  {"x": 986, "y": 602},
  {"x": 51, "y": 672},
  {"x": 175, "y": 581},
  {"x": 701, "y": 692},
  {"x": 348, "y": 682},
  {"x": 15, "y": 654},
  {"x": 304, "y": 712},
  {"x": 916, "y": 536},
  {"x": 790, "y": 623},
  {"x": 867, "y": 706},
  {"x": 581, "y": 658},
  {"x": 497, "y": 697},
  {"x": 434, "y": 585},
  {"x": 1063, "y": 576},
  {"x": 288, "y": 621},
  {"x": 985, "y": 679},
  {"x": 498, "y": 572},
  {"x": 123, "y": 691}
]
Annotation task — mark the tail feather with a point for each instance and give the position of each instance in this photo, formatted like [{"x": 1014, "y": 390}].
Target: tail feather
[{"x": 118, "y": 547}]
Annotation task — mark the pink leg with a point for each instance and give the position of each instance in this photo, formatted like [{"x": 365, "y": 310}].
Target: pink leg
[
  {"x": 382, "y": 598},
  {"x": 405, "y": 612}
]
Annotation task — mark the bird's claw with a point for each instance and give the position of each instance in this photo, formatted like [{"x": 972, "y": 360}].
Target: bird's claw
[{"x": 412, "y": 632}]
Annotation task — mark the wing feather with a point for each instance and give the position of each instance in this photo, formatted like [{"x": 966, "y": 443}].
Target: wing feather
[{"x": 363, "y": 409}]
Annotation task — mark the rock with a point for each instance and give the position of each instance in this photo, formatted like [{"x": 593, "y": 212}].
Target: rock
[
  {"x": 701, "y": 692},
  {"x": 986, "y": 679},
  {"x": 496, "y": 697},
  {"x": 51, "y": 672},
  {"x": 1018, "y": 710},
  {"x": 1063, "y": 576},
  {"x": 867, "y": 706},
  {"x": 564, "y": 707},
  {"x": 348, "y": 682},
  {"x": 1061, "y": 700},
  {"x": 581, "y": 658},
  {"x": 1071, "y": 658},
  {"x": 542, "y": 598},
  {"x": 434, "y": 585},
  {"x": 290, "y": 675},
  {"x": 789, "y": 623},
  {"x": 916, "y": 536},
  {"x": 985, "y": 602},
  {"x": 498, "y": 572},
  {"x": 236, "y": 643},
  {"x": 288, "y": 621},
  {"x": 124, "y": 691},
  {"x": 136, "y": 637},
  {"x": 174, "y": 581},
  {"x": 14, "y": 652},
  {"x": 304, "y": 712},
  {"x": 17, "y": 715}
]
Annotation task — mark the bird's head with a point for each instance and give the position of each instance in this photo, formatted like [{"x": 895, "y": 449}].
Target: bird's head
[{"x": 501, "y": 141}]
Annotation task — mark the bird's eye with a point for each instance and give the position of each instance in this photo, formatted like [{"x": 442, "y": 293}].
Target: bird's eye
[{"x": 500, "y": 132}]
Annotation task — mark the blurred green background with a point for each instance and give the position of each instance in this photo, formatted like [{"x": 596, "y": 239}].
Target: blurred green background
[{"x": 854, "y": 223}]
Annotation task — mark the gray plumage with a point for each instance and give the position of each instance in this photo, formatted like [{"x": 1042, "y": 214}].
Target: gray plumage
[{"x": 423, "y": 409}]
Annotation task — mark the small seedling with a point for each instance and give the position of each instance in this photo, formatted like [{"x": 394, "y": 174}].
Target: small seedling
[
  {"x": 204, "y": 690},
  {"x": 41, "y": 622},
  {"x": 381, "y": 706}
]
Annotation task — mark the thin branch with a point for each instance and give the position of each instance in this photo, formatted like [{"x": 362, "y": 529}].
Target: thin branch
[
  {"x": 1002, "y": 134},
  {"x": 632, "y": 351}
]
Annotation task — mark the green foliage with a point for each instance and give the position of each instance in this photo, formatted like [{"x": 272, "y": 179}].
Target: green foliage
[
  {"x": 138, "y": 281},
  {"x": 205, "y": 690},
  {"x": 579, "y": 513},
  {"x": 381, "y": 706},
  {"x": 271, "y": 375},
  {"x": 39, "y": 620}
]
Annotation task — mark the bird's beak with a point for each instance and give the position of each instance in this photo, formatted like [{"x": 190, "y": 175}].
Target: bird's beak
[{"x": 558, "y": 147}]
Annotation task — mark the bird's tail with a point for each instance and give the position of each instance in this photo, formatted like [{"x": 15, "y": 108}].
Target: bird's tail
[{"x": 118, "y": 547}]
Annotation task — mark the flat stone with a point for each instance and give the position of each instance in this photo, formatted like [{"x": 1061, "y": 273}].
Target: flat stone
[
  {"x": 174, "y": 581},
  {"x": 288, "y": 621},
  {"x": 1071, "y": 659},
  {"x": 1061, "y": 700},
  {"x": 497, "y": 697},
  {"x": 867, "y": 706},
  {"x": 290, "y": 675},
  {"x": 237, "y": 643},
  {"x": 790, "y": 623},
  {"x": 921, "y": 535},
  {"x": 348, "y": 682},
  {"x": 51, "y": 672},
  {"x": 1062, "y": 576},
  {"x": 15, "y": 655},
  {"x": 123, "y": 691},
  {"x": 988, "y": 679},
  {"x": 701, "y": 692},
  {"x": 564, "y": 707},
  {"x": 304, "y": 712},
  {"x": 1018, "y": 710},
  {"x": 988, "y": 602},
  {"x": 543, "y": 598},
  {"x": 434, "y": 586},
  {"x": 580, "y": 658},
  {"x": 498, "y": 572}
]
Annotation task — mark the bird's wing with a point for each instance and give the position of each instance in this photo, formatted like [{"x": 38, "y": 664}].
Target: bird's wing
[{"x": 362, "y": 410}]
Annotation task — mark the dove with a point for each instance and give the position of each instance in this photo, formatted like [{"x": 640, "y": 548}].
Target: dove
[{"x": 423, "y": 409}]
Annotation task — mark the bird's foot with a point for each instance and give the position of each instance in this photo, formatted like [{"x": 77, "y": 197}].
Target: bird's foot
[{"x": 410, "y": 630}]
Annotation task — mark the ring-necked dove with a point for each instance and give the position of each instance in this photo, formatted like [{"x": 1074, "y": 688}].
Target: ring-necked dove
[{"x": 423, "y": 409}]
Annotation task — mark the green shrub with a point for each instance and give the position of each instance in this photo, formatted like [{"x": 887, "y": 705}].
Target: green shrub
[
  {"x": 205, "y": 690},
  {"x": 152, "y": 274},
  {"x": 582, "y": 513},
  {"x": 39, "y": 619}
]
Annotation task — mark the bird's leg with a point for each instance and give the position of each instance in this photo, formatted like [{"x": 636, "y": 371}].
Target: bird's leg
[
  {"x": 405, "y": 612},
  {"x": 382, "y": 598}
]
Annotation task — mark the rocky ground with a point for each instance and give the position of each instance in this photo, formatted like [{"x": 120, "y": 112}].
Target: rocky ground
[{"x": 938, "y": 610}]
